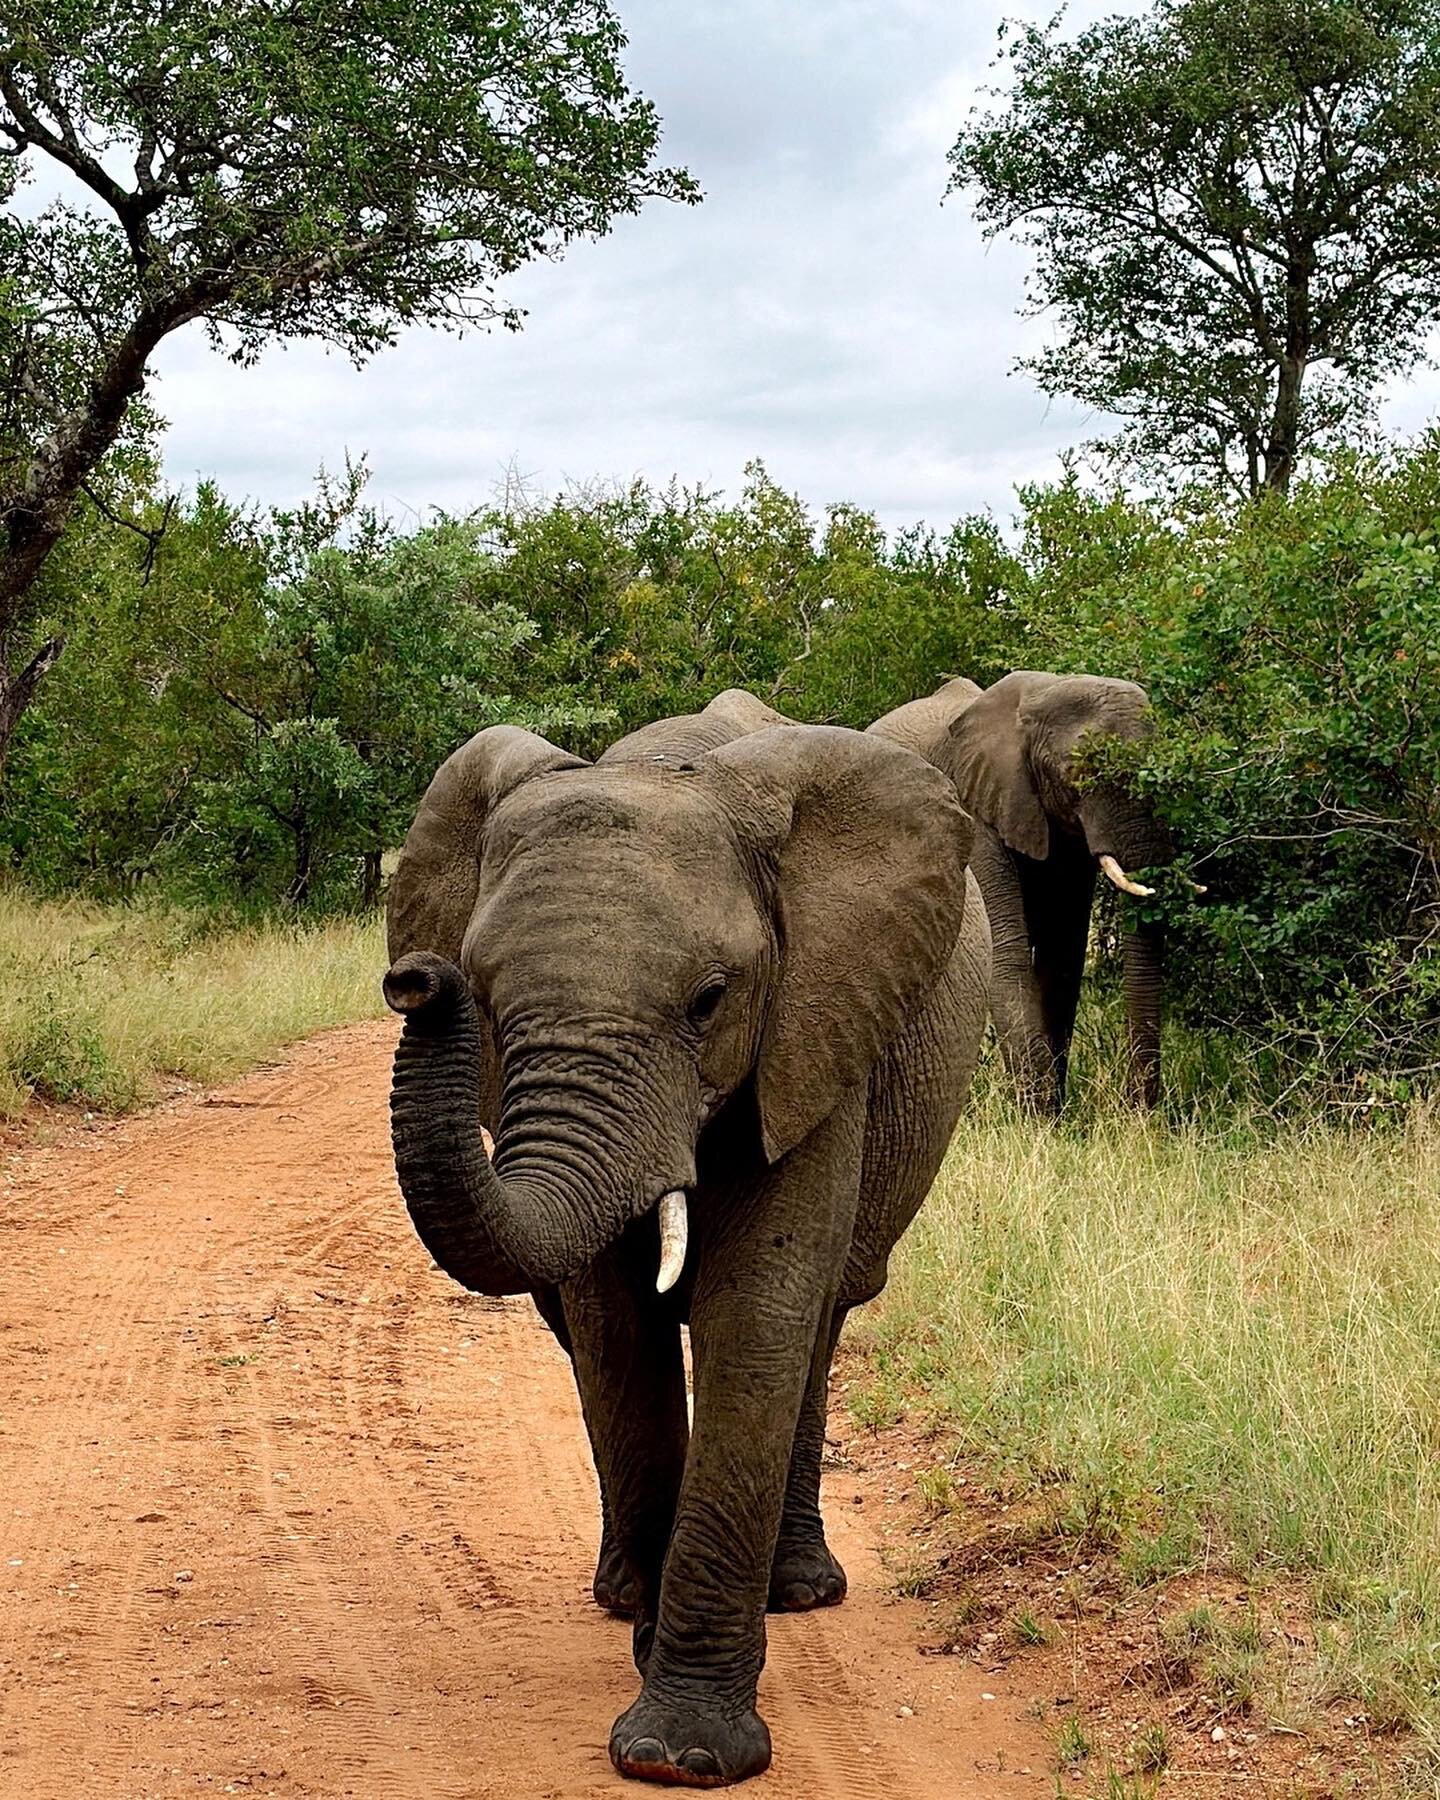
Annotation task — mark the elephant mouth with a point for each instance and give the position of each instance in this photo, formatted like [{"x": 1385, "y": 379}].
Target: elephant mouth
[{"x": 673, "y": 1210}]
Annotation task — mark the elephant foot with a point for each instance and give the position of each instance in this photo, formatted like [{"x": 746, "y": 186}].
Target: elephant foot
[
  {"x": 805, "y": 1576},
  {"x": 684, "y": 1745},
  {"x": 615, "y": 1588}
]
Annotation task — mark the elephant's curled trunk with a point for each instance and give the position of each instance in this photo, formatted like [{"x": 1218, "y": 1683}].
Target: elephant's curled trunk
[{"x": 492, "y": 1236}]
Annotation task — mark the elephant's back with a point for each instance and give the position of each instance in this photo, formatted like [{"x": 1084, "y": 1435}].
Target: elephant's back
[
  {"x": 730, "y": 715},
  {"x": 923, "y": 726},
  {"x": 684, "y": 739}
]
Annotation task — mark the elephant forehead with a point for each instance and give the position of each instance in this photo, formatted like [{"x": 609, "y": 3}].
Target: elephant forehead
[
  {"x": 1070, "y": 706},
  {"x": 621, "y": 912},
  {"x": 657, "y": 801}
]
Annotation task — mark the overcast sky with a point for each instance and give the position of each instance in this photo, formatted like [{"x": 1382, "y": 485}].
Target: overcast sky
[{"x": 821, "y": 310}]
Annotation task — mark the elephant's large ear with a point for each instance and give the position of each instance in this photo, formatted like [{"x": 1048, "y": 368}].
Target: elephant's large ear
[
  {"x": 872, "y": 847},
  {"x": 988, "y": 764},
  {"x": 432, "y": 892}
]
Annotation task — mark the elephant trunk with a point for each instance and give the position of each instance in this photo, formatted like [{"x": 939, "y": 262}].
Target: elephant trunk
[
  {"x": 536, "y": 1227},
  {"x": 1144, "y": 957},
  {"x": 1123, "y": 835}
]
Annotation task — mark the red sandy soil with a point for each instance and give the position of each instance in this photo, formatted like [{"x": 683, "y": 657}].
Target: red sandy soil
[{"x": 283, "y": 1511}]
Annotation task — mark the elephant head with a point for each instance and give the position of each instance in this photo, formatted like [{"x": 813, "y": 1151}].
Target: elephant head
[
  {"x": 1014, "y": 755},
  {"x": 631, "y": 943}
]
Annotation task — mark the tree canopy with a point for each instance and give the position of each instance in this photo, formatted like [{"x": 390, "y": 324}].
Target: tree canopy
[
  {"x": 334, "y": 169},
  {"x": 257, "y": 725},
  {"x": 1235, "y": 208}
]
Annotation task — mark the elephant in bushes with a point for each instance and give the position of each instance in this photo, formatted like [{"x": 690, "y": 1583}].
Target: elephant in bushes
[
  {"x": 717, "y": 996},
  {"x": 1041, "y": 836}
]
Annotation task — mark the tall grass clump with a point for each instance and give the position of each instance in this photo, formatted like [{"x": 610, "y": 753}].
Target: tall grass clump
[
  {"x": 1211, "y": 1345},
  {"x": 99, "y": 1003}
]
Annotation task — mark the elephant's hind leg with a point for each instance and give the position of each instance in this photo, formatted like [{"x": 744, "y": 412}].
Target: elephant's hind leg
[
  {"x": 806, "y": 1573},
  {"x": 615, "y": 1586}
]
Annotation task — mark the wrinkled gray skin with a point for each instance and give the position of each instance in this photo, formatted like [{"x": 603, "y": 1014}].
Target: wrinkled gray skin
[
  {"x": 733, "y": 961},
  {"x": 1009, "y": 751}
]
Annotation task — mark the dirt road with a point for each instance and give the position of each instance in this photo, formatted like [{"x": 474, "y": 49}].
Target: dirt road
[{"x": 282, "y": 1511}]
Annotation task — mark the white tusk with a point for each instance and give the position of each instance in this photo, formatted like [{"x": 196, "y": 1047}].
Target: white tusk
[
  {"x": 674, "y": 1238},
  {"x": 1122, "y": 880},
  {"x": 1195, "y": 887}
]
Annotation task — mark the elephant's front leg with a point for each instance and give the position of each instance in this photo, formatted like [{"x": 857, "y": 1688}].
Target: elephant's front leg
[
  {"x": 805, "y": 1572},
  {"x": 625, "y": 1344},
  {"x": 768, "y": 1275},
  {"x": 614, "y": 1586}
]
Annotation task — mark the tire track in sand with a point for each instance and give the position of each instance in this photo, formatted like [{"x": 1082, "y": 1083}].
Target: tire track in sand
[{"x": 330, "y": 1523}]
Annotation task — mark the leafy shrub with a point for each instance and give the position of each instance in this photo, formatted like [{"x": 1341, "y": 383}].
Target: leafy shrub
[
  {"x": 1292, "y": 653},
  {"x": 261, "y": 720}
]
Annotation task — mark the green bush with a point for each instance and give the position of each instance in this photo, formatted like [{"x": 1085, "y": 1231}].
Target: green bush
[
  {"x": 258, "y": 722},
  {"x": 1292, "y": 652}
]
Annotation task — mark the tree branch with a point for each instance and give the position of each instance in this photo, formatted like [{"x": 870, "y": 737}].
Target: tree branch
[
  {"x": 65, "y": 148},
  {"x": 153, "y": 535}
]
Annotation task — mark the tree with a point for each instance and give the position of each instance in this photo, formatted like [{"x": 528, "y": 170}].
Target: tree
[
  {"x": 333, "y": 169},
  {"x": 903, "y": 616},
  {"x": 1236, "y": 209},
  {"x": 261, "y": 720},
  {"x": 653, "y": 600}
]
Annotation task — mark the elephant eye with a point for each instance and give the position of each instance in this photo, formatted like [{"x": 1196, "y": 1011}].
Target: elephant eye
[{"x": 707, "y": 998}]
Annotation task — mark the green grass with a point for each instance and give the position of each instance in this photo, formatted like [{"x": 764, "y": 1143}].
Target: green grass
[
  {"x": 1071, "y": 1744},
  {"x": 99, "y": 1003},
  {"x": 1152, "y": 1749},
  {"x": 1210, "y": 1344}
]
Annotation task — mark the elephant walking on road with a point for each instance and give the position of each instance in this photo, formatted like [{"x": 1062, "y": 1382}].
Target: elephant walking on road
[
  {"x": 1041, "y": 837},
  {"x": 717, "y": 997}
]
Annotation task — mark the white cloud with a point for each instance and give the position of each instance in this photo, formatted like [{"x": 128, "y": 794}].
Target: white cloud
[{"x": 821, "y": 310}]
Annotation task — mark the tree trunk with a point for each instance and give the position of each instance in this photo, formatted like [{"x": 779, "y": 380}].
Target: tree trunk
[
  {"x": 35, "y": 517},
  {"x": 16, "y": 693},
  {"x": 370, "y": 880},
  {"x": 304, "y": 868},
  {"x": 1282, "y": 451},
  {"x": 1283, "y": 446}
]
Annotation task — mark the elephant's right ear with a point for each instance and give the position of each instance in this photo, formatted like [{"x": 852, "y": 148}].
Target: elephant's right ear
[
  {"x": 988, "y": 764},
  {"x": 432, "y": 892}
]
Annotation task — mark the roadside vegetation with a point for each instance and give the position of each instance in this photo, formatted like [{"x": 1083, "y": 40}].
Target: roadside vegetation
[
  {"x": 100, "y": 1006},
  {"x": 250, "y": 719},
  {"x": 1200, "y": 1348}
]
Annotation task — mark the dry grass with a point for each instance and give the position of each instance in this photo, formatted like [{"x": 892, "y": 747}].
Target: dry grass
[
  {"x": 1213, "y": 1348},
  {"x": 98, "y": 1004}
]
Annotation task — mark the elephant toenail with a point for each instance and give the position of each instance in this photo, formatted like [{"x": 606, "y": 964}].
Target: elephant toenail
[
  {"x": 700, "y": 1762},
  {"x": 646, "y": 1750}
]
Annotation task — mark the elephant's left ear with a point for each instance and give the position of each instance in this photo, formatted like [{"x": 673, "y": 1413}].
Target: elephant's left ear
[{"x": 872, "y": 846}]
